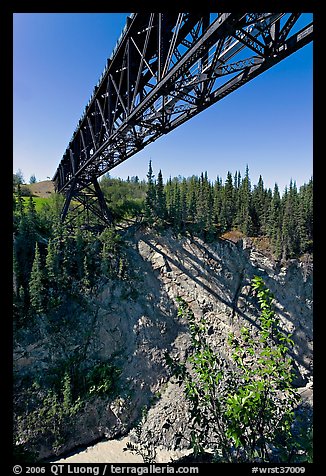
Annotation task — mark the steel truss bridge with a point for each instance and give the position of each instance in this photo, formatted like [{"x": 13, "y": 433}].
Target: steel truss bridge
[{"x": 165, "y": 69}]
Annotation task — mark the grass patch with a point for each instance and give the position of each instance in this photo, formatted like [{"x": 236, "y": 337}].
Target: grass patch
[{"x": 39, "y": 202}]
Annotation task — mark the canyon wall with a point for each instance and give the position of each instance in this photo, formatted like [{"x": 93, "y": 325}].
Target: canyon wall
[{"x": 134, "y": 322}]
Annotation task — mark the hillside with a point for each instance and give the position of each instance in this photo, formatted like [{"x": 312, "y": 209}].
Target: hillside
[{"x": 41, "y": 189}]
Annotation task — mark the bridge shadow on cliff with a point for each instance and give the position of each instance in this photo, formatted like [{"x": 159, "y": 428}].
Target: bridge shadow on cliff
[
  {"x": 229, "y": 303},
  {"x": 201, "y": 268}
]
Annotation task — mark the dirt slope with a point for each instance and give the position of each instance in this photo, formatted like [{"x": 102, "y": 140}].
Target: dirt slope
[{"x": 42, "y": 189}]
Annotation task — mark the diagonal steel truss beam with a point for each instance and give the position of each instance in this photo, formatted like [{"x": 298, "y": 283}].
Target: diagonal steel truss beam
[{"x": 87, "y": 199}]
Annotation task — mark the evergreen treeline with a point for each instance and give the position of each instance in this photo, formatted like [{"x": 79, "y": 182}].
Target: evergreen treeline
[
  {"x": 57, "y": 266},
  {"x": 210, "y": 209},
  {"x": 53, "y": 262}
]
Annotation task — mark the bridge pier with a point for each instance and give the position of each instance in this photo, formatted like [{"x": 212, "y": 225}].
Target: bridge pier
[{"x": 85, "y": 199}]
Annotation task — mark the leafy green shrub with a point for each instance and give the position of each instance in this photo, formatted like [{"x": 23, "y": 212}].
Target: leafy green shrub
[
  {"x": 145, "y": 449},
  {"x": 243, "y": 407},
  {"x": 102, "y": 379}
]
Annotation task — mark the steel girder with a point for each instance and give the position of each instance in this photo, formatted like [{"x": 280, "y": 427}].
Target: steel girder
[{"x": 165, "y": 69}]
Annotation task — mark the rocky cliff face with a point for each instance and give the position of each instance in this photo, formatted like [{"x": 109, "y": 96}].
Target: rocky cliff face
[
  {"x": 215, "y": 281},
  {"x": 136, "y": 323}
]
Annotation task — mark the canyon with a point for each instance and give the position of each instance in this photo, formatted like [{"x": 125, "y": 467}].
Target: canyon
[{"x": 135, "y": 323}]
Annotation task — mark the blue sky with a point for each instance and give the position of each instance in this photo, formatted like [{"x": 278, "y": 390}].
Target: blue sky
[{"x": 58, "y": 59}]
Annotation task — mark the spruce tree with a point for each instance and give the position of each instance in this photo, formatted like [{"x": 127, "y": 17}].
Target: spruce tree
[
  {"x": 192, "y": 201},
  {"x": 52, "y": 274},
  {"x": 52, "y": 261},
  {"x": 244, "y": 218},
  {"x": 20, "y": 201},
  {"x": 208, "y": 200},
  {"x": 150, "y": 200},
  {"x": 16, "y": 273},
  {"x": 25, "y": 247},
  {"x": 236, "y": 197},
  {"x": 290, "y": 236},
  {"x": 258, "y": 211},
  {"x": 274, "y": 225},
  {"x": 183, "y": 203},
  {"x": 160, "y": 207},
  {"x": 200, "y": 209},
  {"x": 308, "y": 207},
  {"x": 36, "y": 284},
  {"x": 228, "y": 205},
  {"x": 31, "y": 212},
  {"x": 169, "y": 199},
  {"x": 305, "y": 217},
  {"x": 217, "y": 201},
  {"x": 19, "y": 177},
  {"x": 176, "y": 210}
]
